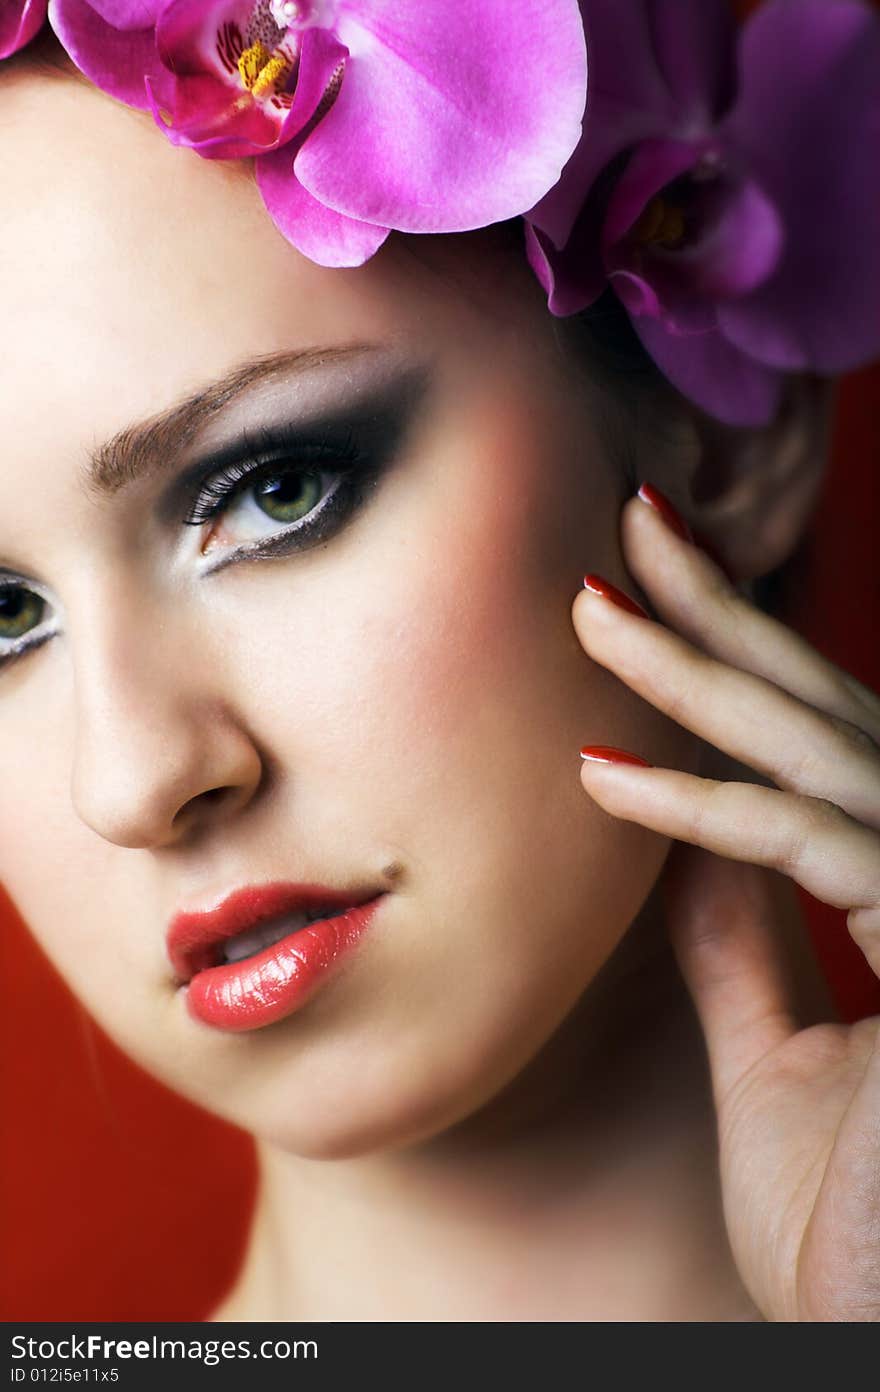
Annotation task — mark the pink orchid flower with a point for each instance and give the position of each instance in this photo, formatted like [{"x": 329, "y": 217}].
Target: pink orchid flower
[
  {"x": 19, "y": 22},
  {"x": 362, "y": 115}
]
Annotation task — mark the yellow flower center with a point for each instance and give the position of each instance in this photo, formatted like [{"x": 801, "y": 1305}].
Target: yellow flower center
[
  {"x": 661, "y": 224},
  {"x": 263, "y": 72}
]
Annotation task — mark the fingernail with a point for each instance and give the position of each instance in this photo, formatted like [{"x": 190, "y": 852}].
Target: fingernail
[
  {"x": 670, "y": 515},
  {"x": 596, "y": 585},
  {"x": 602, "y": 754}
]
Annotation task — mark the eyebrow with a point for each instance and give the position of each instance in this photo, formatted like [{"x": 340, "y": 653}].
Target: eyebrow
[{"x": 145, "y": 448}]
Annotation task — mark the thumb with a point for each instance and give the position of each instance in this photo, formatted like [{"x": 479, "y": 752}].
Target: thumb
[{"x": 723, "y": 922}]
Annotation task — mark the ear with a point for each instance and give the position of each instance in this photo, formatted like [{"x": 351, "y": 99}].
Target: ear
[{"x": 751, "y": 492}]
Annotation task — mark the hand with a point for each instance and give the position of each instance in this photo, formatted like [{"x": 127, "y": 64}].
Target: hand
[{"x": 798, "y": 1108}]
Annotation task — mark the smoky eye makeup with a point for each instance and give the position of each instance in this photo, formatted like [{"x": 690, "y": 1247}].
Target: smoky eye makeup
[
  {"x": 302, "y": 471},
  {"x": 303, "y": 477}
]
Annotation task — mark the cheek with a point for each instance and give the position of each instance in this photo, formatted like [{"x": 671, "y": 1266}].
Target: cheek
[
  {"x": 86, "y": 901},
  {"x": 40, "y": 840},
  {"x": 445, "y": 696},
  {"x": 420, "y": 636}
]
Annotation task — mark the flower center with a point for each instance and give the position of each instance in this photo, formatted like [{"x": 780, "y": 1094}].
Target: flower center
[
  {"x": 661, "y": 224},
  {"x": 266, "y": 57},
  {"x": 303, "y": 14},
  {"x": 264, "y": 71}
]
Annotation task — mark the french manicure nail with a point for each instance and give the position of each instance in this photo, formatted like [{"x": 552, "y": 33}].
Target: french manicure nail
[
  {"x": 603, "y": 754},
  {"x": 670, "y": 515},
  {"x": 596, "y": 585}
]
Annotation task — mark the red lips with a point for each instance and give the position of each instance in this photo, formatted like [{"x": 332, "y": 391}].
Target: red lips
[{"x": 278, "y": 979}]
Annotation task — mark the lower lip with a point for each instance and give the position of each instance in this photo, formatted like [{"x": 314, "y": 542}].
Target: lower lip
[{"x": 274, "y": 983}]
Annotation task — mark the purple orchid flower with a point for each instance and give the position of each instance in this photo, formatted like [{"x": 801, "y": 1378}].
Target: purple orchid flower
[
  {"x": 19, "y": 22},
  {"x": 727, "y": 187},
  {"x": 362, "y": 115}
]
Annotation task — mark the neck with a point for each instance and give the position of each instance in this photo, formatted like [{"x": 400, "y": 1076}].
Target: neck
[{"x": 587, "y": 1189}]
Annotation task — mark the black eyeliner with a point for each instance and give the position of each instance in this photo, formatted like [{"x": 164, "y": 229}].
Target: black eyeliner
[
  {"x": 356, "y": 441},
  {"x": 17, "y": 647},
  {"x": 372, "y": 428},
  {"x": 266, "y": 456},
  {"x": 303, "y": 536}
]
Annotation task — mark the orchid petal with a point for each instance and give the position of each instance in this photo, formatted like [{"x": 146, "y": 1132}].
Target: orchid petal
[
  {"x": 573, "y": 278},
  {"x": 695, "y": 44},
  {"x": 325, "y": 236},
  {"x": 809, "y": 120},
  {"x": 322, "y": 56},
  {"x": 19, "y": 23},
  {"x": 208, "y": 115},
  {"x": 542, "y": 263},
  {"x": 742, "y": 249},
  {"x": 186, "y": 37},
  {"x": 636, "y": 294},
  {"x": 608, "y": 131},
  {"x": 118, "y": 61},
  {"x": 713, "y": 373},
  {"x": 627, "y": 101},
  {"x": 129, "y": 14},
  {"x": 449, "y": 118},
  {"x": 681, "y": 316}
]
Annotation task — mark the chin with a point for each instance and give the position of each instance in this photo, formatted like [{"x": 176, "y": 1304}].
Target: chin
[{"x": 406, "y": 1107}]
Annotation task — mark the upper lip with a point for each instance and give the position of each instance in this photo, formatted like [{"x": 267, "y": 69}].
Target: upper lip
[{"x": 193, "y": 938}]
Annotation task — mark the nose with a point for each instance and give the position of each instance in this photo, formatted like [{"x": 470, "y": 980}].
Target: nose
[{"x": 159, "y": 752}]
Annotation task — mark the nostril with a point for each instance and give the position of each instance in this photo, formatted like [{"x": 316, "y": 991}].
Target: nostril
[
  {"x": 214, "y": 794},
  {"x": 148, "y": 753},
  {"x": 210, "y": 797}
]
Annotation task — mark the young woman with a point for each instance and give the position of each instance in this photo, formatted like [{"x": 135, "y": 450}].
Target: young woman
[{"x": 298, "y": 658}]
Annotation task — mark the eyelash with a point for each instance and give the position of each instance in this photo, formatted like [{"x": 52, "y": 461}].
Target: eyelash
[
  {"x": 265, "y": 457},
  {"x": 270, "y": 457},
  {"x": 35, "y": 638}
]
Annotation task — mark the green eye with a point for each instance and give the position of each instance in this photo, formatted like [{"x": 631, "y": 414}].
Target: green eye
[
  {"x": 289, "y": 496},
  {"x": 20, "y": 611}
]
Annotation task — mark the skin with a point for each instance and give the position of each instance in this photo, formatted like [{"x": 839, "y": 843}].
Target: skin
[{"x": 508, "y": 1080}]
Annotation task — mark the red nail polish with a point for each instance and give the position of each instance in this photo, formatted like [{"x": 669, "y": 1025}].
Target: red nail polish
[
  {"x": 602, "y": 754},
  {"x": 661, "y": 504},
  {"x": 596, "y": 585}
]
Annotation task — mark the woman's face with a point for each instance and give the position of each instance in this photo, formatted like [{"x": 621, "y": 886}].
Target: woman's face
[{"x": 393, "y": 700}]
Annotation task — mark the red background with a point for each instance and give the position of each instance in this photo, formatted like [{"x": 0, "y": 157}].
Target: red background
[{"x": 110, "y": 1186}]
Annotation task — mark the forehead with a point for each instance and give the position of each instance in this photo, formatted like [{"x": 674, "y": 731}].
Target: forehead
[{"x": 135, "y": 272}]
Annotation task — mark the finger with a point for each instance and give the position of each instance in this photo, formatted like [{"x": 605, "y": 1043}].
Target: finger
[
  {"x": 811, "y": 841},
  {"x": 751, "y": 719},
  {"x": 846, "y": 1218},
  {"x": 691, "y": 594},
  {"x": 721, "y": 920}
]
